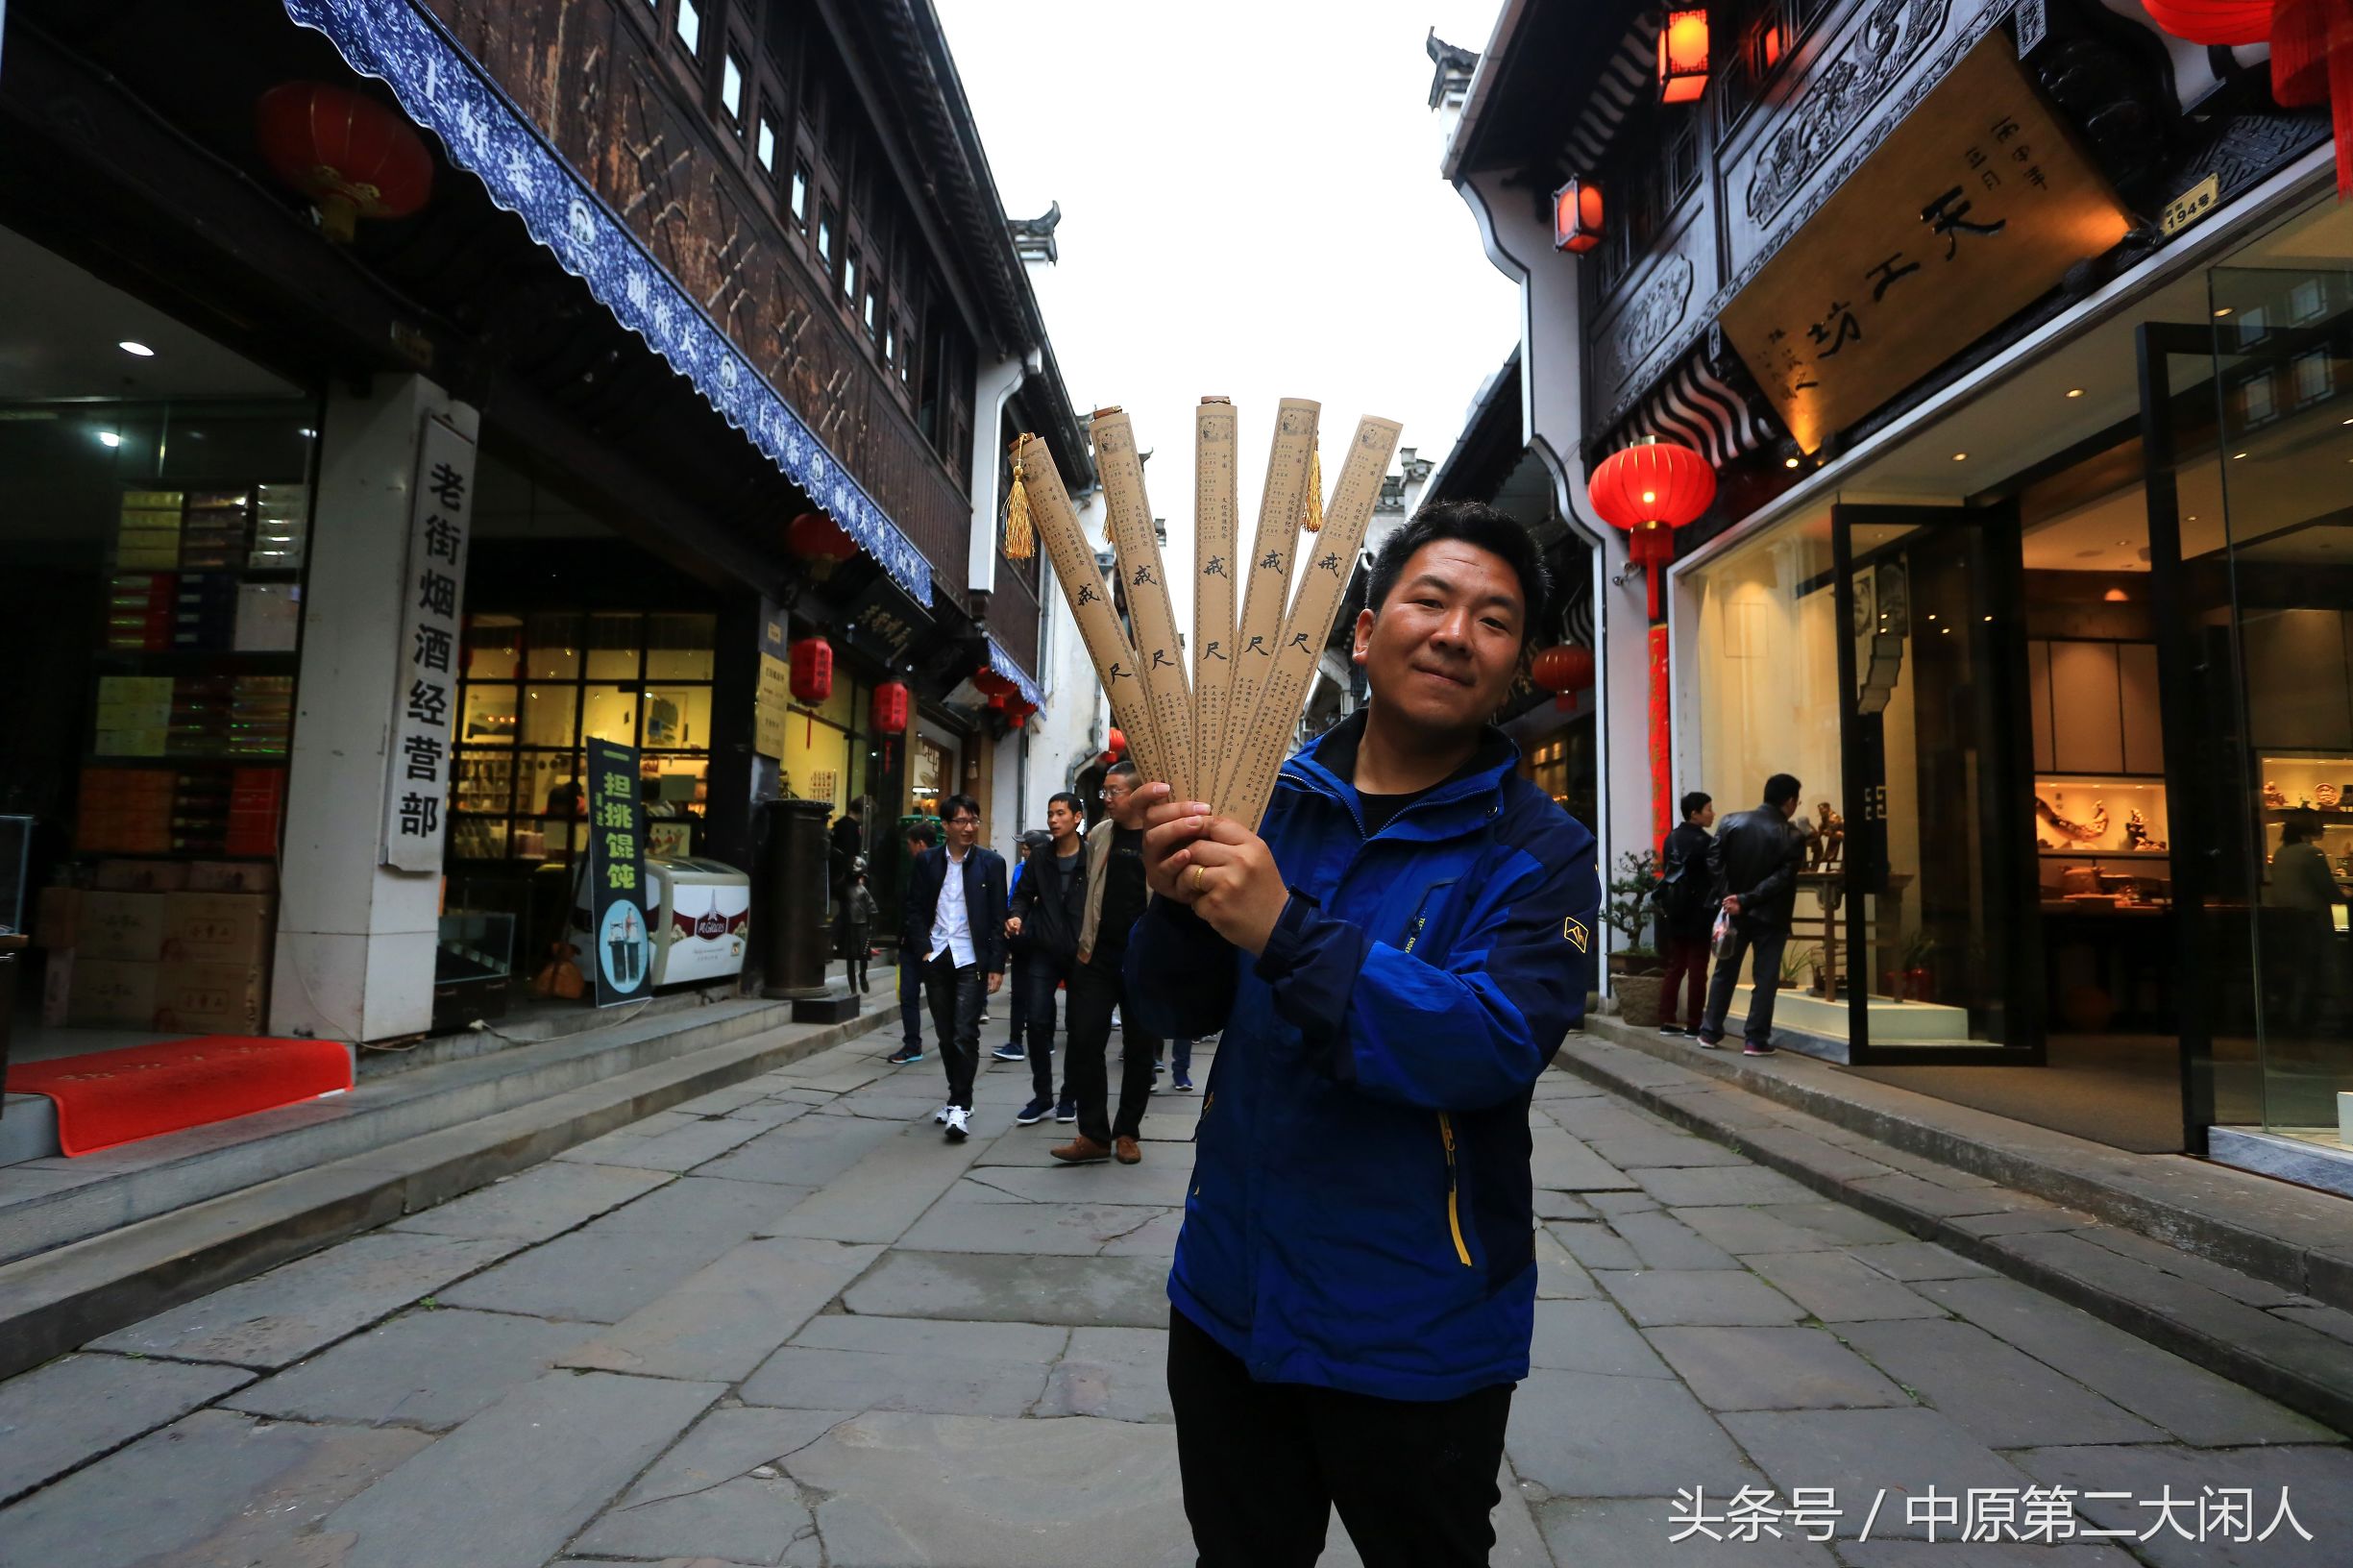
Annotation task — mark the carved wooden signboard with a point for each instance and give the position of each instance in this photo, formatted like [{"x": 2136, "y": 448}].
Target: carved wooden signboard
[{"x": 1974, "y": 206}]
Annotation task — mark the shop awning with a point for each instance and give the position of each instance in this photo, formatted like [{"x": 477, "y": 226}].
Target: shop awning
[
  {"x": 1002, "y": 663},
  {"x": 482, "y": 131}
]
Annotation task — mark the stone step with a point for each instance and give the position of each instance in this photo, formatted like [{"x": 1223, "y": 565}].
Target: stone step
[
  {"x": 68, "y": 1295},
  {"x": 2147, "y": 1242}
]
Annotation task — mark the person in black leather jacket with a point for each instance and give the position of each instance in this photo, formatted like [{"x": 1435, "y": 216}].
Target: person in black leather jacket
[
  {"x": 1686, "y": 915},
  {"x": 1753, "y": 865}
]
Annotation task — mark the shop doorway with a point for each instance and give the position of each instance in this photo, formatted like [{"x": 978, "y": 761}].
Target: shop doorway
[{"x": 1920, "y": 887}]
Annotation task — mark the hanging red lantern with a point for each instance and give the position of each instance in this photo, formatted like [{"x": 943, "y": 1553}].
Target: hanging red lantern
[
  {"x": 819, "y": 543},
  {"x": 348, "y": 153},
  {"x": 811, "y": 660},
  {"x": 1682, "y": 55},
  {"x": 2312, "y": 51},
  {"x": 1577, "y": 216},
  {"x": 1119, "y": 744},
  {"x": 1563, "y": 670},
  {"x": 1650, "y": 491},
  {"x": 992, "y": 685},
  {"x": 887, "y": 708}
]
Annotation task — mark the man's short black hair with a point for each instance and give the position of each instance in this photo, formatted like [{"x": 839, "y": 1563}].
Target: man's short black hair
[
  {"x": 1123, "y": 767},
  {"x": 1781, "y": 789},
  {"x": 1078, "y": 807},
  {"x": 955, "y": 803},
  {"x": 1696, "y": 803},
  {"x": 1474, "y": 523},
  {"x": 921, "y": 833}
]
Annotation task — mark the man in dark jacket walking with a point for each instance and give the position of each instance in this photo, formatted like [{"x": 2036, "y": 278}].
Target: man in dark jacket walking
[
  {"x": 1753, "y": 867},
  {"x": 1687, "y": 913},
  {"x": 955, "y": 922},
  {"x": 1114, "y": 899},
  {"x": 1048, "y": 909},
  {"x": 1393, "y": 957}
]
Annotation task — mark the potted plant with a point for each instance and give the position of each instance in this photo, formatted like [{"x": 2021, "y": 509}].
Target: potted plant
[
  {"x": 1918, "y": 949},
  {"x": 1636, "y": 966},
  {"x": 1796, "y": 962}
]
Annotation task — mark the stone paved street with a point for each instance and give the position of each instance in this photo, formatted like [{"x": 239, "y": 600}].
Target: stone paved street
[{"x": 788, "y": 1323}]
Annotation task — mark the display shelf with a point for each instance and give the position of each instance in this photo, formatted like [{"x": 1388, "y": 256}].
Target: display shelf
[{"x": 2101, "y": 816}]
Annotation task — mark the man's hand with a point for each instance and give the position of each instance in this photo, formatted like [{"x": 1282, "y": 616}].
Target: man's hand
[
  {"x": 1013, "y": 925},
  {"x": 1231, "y": 879},
  {"x": 995, "y": 981},
  {"x": 1731, "y": 903},
  {"x": 1169, "y": 827}
]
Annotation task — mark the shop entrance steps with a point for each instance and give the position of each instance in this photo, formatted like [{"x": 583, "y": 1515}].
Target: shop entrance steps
[
  {"x": 89, "y": 1244},
  {"x": 2240, "y": 1273}
]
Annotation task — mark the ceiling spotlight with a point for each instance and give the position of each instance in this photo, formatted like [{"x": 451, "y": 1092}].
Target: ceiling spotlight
[
  {"x": 1792, "y": 462},
  {"x": 140, "y": 350},
  {"x": 2075, "y": 391},
  {"x": 2220, "y": 314},
  {"x": 307, "y": 433},
  {"x": 2236, "y": 455},
  {"x": 1960, "y": 456},
  {"x": 109, "y": 438}
]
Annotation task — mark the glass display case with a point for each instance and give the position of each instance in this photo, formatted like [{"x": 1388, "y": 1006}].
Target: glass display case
[{"x": 474, "y": 961}]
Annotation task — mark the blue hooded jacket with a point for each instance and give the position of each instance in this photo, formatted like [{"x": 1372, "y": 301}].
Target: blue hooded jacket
[{"x": 1360, "y": 1214}]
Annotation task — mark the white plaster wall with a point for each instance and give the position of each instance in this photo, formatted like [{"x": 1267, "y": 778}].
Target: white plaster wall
[{"x": 355, "y": 944}]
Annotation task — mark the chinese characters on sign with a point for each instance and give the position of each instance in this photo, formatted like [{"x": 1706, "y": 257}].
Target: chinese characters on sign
[
  {"x": 1974, "y": 207},
  {"x": 433, "y": 598},
  {"x": 616, "y": 898},
  {"x": 2036, "y": 1515}
]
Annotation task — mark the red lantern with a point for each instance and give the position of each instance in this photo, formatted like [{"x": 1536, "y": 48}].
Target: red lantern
[
  {"x": 2312, "y": 51},
  {"x": 1682, "y": 56},
  {"x": 1650, "y": 491},
  {"x": 812, "y": 674},
  {"x": 996, "y": 687},
  {"x": 1119, "y": 744},
  {"x": 1563, "y": 670},
  {"x": 887, "y": 708},
  {"x": 820, "y": 541},
  {"x": 1577, "y": 216},
  {"x": 348, "y": 153}
]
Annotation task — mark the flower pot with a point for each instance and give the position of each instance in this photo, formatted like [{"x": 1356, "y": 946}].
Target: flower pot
[
  {"x": 1623, "y": 963},
  {"x": 1918, "y": 983},
  {"x": 1891, "y": 982},
  {"x": 1638, "y": 998}
]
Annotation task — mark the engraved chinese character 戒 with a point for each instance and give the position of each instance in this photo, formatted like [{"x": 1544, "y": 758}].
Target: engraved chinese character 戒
[{"x": 1948, "y": 216}]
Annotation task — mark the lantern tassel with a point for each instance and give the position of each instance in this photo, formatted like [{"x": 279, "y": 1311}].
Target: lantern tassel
[
  {"x": 1313, "y": 519},
  {"x": 2312, "y": 64},
  {"x": 1020, "y": 538}
]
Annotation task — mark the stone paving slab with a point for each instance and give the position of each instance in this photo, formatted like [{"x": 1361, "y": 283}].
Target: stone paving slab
[
  {"x": 1860, "y": 1454},
  {"x": 730, "y": 1441},
  {"x": 740, "y": 1521},
  {"x": 1663, "y": 1241},
  {"x": 429, "y": 1369},
  {"x": 536, "y": 1204},
  {"x": 291, "y": 1312},
  {"x": 1121, "y": 1292},
  {"x": 718, "y": 1324},
  {"x": 213, "y": 1488},
  {"x": 1682, "y": 1188},
  {"x": 509, "y": 1487},
  {"x": 2318, "y": 1483},
  {"x": 701, "y": 1204},
  {"x": 592, "y": 1276},
  {"x": 697, "y": 1143},
  {"x": 1945, "y": 1554},
  {"x": 1560, "y": 1276},
  {"x": 961, "y": 1223},
  {"x": 810, "y": 1152},
  {"x": 1581, "y": 1435},
  {"x": 1559, "y": 1162},
  {"x": 2194, "y": 1403},
  {"x": 1591, "y": 1336},
  {"x": 898, "y": 1364},
  {"x": 610, "y": 1148},
  {"x": 2006, "y": 1398},
  {"x": 1708, "y": 1297},
  {"x": 885, "y": 1192},
  {"x": 1118, "y": 1374},
  {"x": 1913, "y": 1261},
  {"x": 1772, "y": 1369},
  {"x": 1638, "y": 1533},
  {"x": 1837, "y": 1289},
  {"x": 65, "y": 1414},
  {"x": 1160, "y": 1184},
  {"x": 1742, "y": 1232}
]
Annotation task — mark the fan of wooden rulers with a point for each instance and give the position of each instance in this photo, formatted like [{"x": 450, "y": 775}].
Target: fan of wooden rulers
[{"x": 1213, "y": 721}]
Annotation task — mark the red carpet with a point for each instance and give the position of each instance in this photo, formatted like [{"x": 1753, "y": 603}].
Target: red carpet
[{"x": 112, "y": 1097}]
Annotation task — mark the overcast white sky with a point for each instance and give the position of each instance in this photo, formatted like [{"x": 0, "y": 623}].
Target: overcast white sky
[{"x": 1251, "y": 206}]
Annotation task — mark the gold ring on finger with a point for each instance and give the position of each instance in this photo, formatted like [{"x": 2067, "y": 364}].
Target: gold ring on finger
[{"x": 1198, "y": 870}]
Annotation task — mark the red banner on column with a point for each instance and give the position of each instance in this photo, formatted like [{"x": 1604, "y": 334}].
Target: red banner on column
[{"x": 1663, "y": 745}]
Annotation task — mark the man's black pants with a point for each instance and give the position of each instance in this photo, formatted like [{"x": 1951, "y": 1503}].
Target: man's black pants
[
  {"x": 911, "y": 996},
  {"x": 956, "y": 996},
  {"x": 1766, "y": 941},
  {"x": 1266, "y": 1463},
  {"x": 1044, "y": 973},
  {"x": 1016, "y": 985},
  {"x": 1095, "y": 989}
]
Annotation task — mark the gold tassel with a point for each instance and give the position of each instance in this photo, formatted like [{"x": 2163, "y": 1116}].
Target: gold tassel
[
  {"x": 1020, "y": 539},
  {"x": 1313, "y": 520}
]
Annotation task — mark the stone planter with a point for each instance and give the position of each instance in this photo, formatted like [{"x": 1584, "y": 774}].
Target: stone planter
[{"x": 1638, "y": 998}]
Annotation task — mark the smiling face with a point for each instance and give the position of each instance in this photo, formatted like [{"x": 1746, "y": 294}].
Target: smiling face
[
  {"x": 1441, "y": 652},
  {"x": 963, "y": 826}
]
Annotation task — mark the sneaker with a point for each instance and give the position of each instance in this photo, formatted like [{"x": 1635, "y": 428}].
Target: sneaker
[
  {"x": 1758, "y": 1050},
  {"x": 1158, "y": 1069},
  {"x": 1670, "y": 1031},
  {"x": 1010, "y": 1053},
  {"x": 939, "y": 1118},
  {"x": 1066, "y": 1111},
  {"x": 1706, "y": 1044},
  {"x": 1081, "y": 1150},
  {"x": 959, "y": 1124},
  {"x": 1181, "y": 1080},
  {"x": 1034, "y": 1113},
  {"x": 1126, "y": 1150},
  {"x": 904, "y": 1055}
]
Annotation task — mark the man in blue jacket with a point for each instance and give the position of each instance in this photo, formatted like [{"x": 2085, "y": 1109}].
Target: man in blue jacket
[
  {"x": 1393, "y": 963},
  {"x": 955, "y": 921}
]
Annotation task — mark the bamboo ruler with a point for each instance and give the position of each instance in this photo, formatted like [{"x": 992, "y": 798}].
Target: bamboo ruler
[
  {"x": 1082, "y": 584},
  {"x": 1280, "y": 507},
  {"x": 1159, "y": 652},
  {"x": 1217, "y": 513},
  {"x": 1326, "y": 562}
]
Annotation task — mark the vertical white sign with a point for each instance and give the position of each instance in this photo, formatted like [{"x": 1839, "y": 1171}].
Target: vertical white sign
[{"x": 432, "y": 601}]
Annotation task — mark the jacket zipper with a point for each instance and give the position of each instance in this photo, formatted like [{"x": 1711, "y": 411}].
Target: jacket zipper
[{"x": 1454, "y": 1208}]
